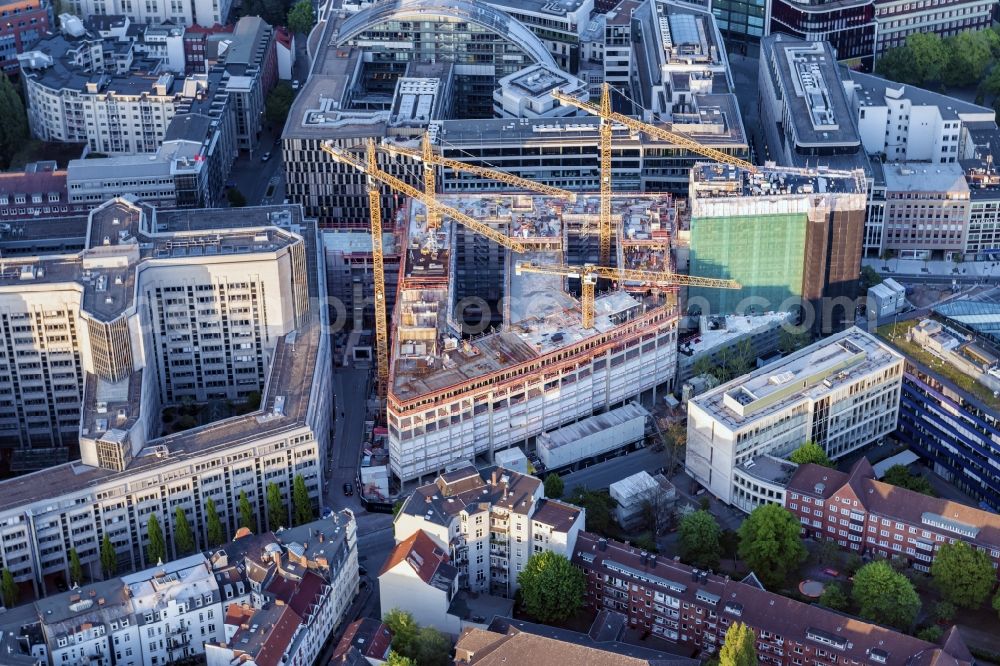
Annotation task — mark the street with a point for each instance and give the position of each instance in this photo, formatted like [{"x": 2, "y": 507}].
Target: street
[{"x": 604, "y": 474}]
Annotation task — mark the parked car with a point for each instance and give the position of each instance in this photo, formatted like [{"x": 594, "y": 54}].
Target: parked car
[
  {"x": 295, "y": 84},
  {"x": 265, "y": 156},
  {"x": 348, "y": 488}
]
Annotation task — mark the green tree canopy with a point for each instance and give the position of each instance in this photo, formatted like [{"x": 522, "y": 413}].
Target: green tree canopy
[
  {"x": 599, "y": 506},
  {"x": 404, "y": 631},
  {"x": 930, "y": 57},
  {"x": 931, "y": 634},
  {"x": 156, "y": 550},
  {"x": 247, "y": 518},
  {"x": 551, "y": 587},
  {"x": 279, "y": 102},
  {"x": 884, "y": 595},
  {"x": 301, "y": 17},
  {"x": 75, "y": 568},
  {"x": 109, "y": 558},
  {"x": 833, "y": 597},
  {"x": 277, "y": 512},
  {"x": 964, "y": 575},
  {"x": 554, "y": 486},
  {"x": 396, "y": 659},
  {"x": 792, "y": 338},
  {"x": 699, "y": 540},
  {"x": 14, "y": 127},
  {"x": 770, "y": 543},
  {"x": 301, "y": 503},
  {"x": 870, "y": 277},
  {"x": 8, "y": 589},
  {"x": 899, "y": 475},
  {"x": 433, "y": 648},
  {"x": 970, "y": 54},
  {"x": 996, "y": 602},
  {"x": 184, "y": 541},
  {"x": 738, "y": 649},
  {"x": 272, "y": 11},
  {"x": 413, "y": 644},
  {"x": 216, "y": 534},
  {"x": 810, "y": 452}
]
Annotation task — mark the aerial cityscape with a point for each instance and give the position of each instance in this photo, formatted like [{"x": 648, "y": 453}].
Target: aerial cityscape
[{"x": 499, "y": 332}]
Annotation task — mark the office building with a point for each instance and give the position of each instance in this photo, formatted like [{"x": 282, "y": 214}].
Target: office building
[
  {"x": 841, "y": 393},
  {"x": 903, "y": 123},
  {"x": 878, "y": 519},
  {"x": 720, "y": 338},
  {"x": 982, "y": 240},
  {"x": 486, "y": 524},
  {"x": 557, "y": 25},
  {"x": 806, "y": 117},
  {"x": 926, "y": 212},
  {"x": 250, "y": 66},
  {"x": 791, "y": 237},
  {"x": 693, "y": 609},
  {"x": 898, "y": 20},
  {"x": 953, "y": 428},
  {"x": 528, "y": 93},
  {"x": 23, "y": 21},
  {"x": 158, "y": 308},
  {"x": 850, "y": 27}
]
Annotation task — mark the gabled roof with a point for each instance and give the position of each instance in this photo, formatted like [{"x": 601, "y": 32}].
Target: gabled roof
[
  {"x": 367, "y": 636},
  {"x": 423, "y": 556}
]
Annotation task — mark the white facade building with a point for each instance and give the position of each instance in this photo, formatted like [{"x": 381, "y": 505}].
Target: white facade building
[
  {"x": 841, "y": 393},
  {"x": 528, "y": 93},
  {"x": 205, "y": 13},
  {"x": 489, "y": 522},
  {"x": 418, "y": 579},
  {"x": 118, "y": 323}
]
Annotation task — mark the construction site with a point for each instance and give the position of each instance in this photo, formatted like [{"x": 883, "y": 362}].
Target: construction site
[{"x": 517, "y": 314}]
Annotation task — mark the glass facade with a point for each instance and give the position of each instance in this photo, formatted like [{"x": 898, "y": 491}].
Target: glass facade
[{"x": 741, "y": 23}]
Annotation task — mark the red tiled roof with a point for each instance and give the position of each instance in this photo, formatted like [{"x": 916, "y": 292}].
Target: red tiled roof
[
  {"x": 238, "y": 614},
  {"x": 306, "y": 594},
  {"x": 283, "y": 37},
  {"x": 369, "y": 636},
  {"x": 420, "y": 552},
  {"x": 278, "y": 639}
]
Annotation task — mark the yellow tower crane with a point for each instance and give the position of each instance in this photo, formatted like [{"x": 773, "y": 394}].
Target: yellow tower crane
[
  {"x": 369, "y": 166},
  {"x": 589, "y": 275},
  {"x": 608, "y": 116},
  {"x": 431, "y": 160}
]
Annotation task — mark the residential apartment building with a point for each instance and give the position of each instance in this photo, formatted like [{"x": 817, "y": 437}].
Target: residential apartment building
[
  {"x": 418, "y": 579},
  {"x": 158, "y": 308},
  {"x": 21, "y": 23},
  {"x": 791, "y": 237},
  {"x": 841, "y": 393},
  {"x": 868, "y": 516},
  {"x": 206, "y": 13},
  {"x": 693, "y": 609},
  {"x": 250, "y": 67},
  {"x": 303, "y": 581},
  {"x": 39, "y": 190},
  {"x": 926, "y": 211},
  {"x": 488, "y": 523}
]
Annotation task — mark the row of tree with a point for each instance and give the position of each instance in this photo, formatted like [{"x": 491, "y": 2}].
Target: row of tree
[{"x": 14, "y": 123}]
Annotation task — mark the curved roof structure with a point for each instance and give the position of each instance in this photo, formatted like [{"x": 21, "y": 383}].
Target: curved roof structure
[{"x": 471, "y": 11}]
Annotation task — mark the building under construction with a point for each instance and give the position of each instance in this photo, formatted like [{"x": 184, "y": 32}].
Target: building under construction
[{"x": 453, "y": 397}]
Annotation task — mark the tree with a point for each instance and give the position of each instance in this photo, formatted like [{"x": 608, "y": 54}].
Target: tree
[
  {"x": 277, "y": 512},
  {"x": 396, "y": 659},
  {"x": 301, "y": 17},
  {"x": 598, "y": 504},
  {"x": 247, "y": 518},
  {"x": 8, "y": 589},
  {"x": 216, "y": 534},
  {"x": 870, "y": 277},
  {"x": 740, "y": 359},
  {"x": 810, "y": 452},
  {"x": 969, "y": 56},
  {"x": 944, "y": 611},
  {"x": 184, "y": 541},
  {"x": 14, "y": 128},
  {"x": 156, "y": 551},
  {"x": 109, "y": 558},
  {"x": 699, "y": 540},
  {"x": 963, "y": 574},
  {"x": 551, "y": 587},
  {"x": 931, "y": 634},
  {"x": 704, "y": 366},
  {"x": 833, "y": 597},
  {"x": 899, "y": 475},
  {"x": 674, "y": 439},
  {"x": 884, "y": 595},
  {"x": 75, "y": 568},
  {"x": 433, "y": 648},
  {"x": 554, "y": 486},
  {"x": 658, "y": 508},
  {"x": 929, "y": 56},
  {"x": 792, "y": 338},
  {"x": 272, "y": 11},
  {"x": 769, "y": 543},
  {"x": 301, "y": 503},
  {"x": 278, "y": 102},
  {"x": 996, "y": 602},
  {"x": 404, "y": 631},
  {"x": 738, "y": 648},
  {"x": 235, "y": 198}
]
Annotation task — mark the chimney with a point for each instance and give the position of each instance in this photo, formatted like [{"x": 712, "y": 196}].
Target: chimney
[
  {"x": 644, "y": 556},
  {"x": 652, "y": 561},
  {"x": 322, "y": 537},
  {"x": 602, "y": 544},
  {"x": 493, "y": 478}
]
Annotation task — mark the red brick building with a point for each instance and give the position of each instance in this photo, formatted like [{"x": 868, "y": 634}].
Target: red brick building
[
  {"x": 693, "y": 609},
  {"x": 869, "y": 516},
  {"x": 21, "y": 23}
]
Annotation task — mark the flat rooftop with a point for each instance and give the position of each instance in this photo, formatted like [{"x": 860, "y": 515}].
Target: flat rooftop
[
  {"x": 808, "y": 374},
  {"x": 719, "y": 330},
  {"x": 923, "y": 177},
  {"x": 712, "y": 180},
  {"x": 872, "y": 90},
  {"x": 809, "y": 76},
  {"x": 573, "y": 433}
]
